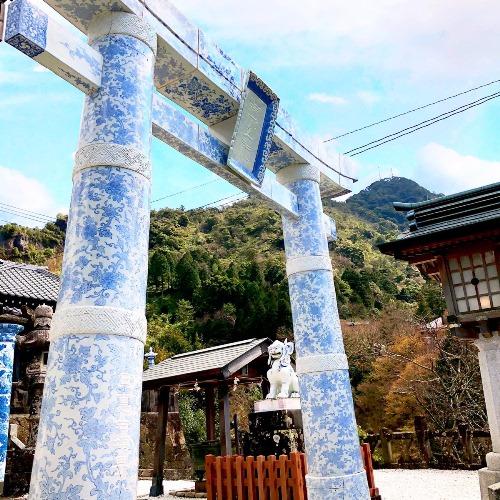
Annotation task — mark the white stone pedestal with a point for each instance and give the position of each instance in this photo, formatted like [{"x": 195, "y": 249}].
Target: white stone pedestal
[
  {"x": 489, "y": 362},
  {"x": 276, "y": 404}
]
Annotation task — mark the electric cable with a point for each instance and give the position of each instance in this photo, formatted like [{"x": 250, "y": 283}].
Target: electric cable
[
  {"x": 419, "y": 126},
  {"x": 412, "y": 110}
]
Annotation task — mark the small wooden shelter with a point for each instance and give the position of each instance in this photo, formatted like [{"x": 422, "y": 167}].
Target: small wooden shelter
[
  {"x": 456, "y": 240},
  {"x": 215, "y": 369}
]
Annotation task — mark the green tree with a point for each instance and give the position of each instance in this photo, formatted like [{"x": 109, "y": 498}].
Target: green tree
[{"x": 188, "y": 278}]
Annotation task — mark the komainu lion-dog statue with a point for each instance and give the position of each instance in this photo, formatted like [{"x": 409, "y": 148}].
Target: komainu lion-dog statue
[{"x": 282, "y": 377}]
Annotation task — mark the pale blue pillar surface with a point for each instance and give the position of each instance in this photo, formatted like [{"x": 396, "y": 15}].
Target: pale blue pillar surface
[
  {"x": 8, "y": 334},
  {"x": 330, "y": 432},
  {"x": 88, "y": 438}
]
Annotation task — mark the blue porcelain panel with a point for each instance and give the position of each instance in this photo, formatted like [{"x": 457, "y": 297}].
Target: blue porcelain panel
[
  {"x": 330, "y": 431},
  {"x": 305, "y": 235},
  {"x": 173, "y": 122},
  {"x": 8, "y": 334},
  {"x": 327, "y": 411},
  {"x": 173, "y": 64},
  {"x": 252, "y": 138},
  {"x": 202, "y": 99},
  {"x": 26, "y": 28},
  {"x": 81, "y": 12},
  {"x": 316, "y": 321},
  {"x": 105, "y": 258},
  {"x": 279, "y": 158},
  {"x": 217, "y": 82},
  {"x": 219, "y": 61},
  {"x": 176, "y": 22},
  {"x": 211, "y": 147},
  {"x": 120, "y": 112},
  {"x": 88, "y": 445},
  {"x": 81, "y": 54}
]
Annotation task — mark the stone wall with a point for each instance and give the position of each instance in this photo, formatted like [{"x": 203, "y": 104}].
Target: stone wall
[{"x": 178, "y": 463}]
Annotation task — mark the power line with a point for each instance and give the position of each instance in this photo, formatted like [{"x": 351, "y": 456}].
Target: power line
[
  {"x": 414, "y": 128},
  {"x": 227, "y": 204},
  {"x": 412, "y": 110},
  {"x": 28, "y": 211},
  {"x": 466, "y": 106},
  {"x": 186, "y": 190},
  {"x": 26, "y": 216},
  {"x": 217, "y": 201}
]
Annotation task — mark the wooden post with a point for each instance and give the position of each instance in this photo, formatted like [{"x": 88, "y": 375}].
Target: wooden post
[
  {"x": 211, "y": 477},
  {"x": 224, "y": 420},
  {"x": 250, "y": 473},
  {"x": 2, "y": 18},
  {"x": 156, "y": 489},
  {"x": 422, "y": 433},
  {"x": 210, "y": 412},
  {"x": 385, "y": 443},
  {"x": 236, "y": 434},
  {"x": 466, "y": 439}
]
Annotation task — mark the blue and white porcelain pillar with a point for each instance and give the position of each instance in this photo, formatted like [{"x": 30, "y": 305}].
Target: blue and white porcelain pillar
[
  {"x": 8, "y": 332},
  {"x": 88, "y": 438},
  {"x": 330, "y": 432}
]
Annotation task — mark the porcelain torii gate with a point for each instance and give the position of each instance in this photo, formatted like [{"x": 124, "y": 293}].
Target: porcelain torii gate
[{"x": 88, "y": 436}]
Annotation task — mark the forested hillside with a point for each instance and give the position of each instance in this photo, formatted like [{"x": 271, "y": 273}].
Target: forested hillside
[
  {"x": 375, "y": 201},
  {"x": 218, "y": 276}
]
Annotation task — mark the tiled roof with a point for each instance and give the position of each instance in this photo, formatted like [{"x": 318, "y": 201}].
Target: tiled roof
[
  {"x": 448, "y": 217},
  {"x": 205, "y": 360},
  {"x": 28, "y": 282},
  {"x": 456, "y": 210}
]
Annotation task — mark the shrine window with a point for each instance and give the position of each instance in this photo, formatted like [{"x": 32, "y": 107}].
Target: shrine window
[{"x": 475, "y": 281}]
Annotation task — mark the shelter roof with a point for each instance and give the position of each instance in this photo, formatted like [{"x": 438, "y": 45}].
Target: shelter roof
[
  {"x": 27, "y": 282},
  {"x": 206, "y": 364},
  {"x": 449, "y": 219}
]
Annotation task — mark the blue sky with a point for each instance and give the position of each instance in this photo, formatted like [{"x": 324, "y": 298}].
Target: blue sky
[{"x": 336, "y": 65}]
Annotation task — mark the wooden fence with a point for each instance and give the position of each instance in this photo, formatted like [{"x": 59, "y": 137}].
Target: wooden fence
[
  {"x": 249, "y": 478},
  {"x": 461, "y": 447}
]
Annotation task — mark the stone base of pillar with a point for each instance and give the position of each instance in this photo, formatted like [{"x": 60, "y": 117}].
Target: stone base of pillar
[
  {"x": 351, "y": 487},
  {"x": 494, "y": 491},
  {"x": 487, "y": 478}
]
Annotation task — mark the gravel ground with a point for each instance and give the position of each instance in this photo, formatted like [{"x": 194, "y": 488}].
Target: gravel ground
[
  {"x": 394, "y": 484},
  {"x": 144, "y": 485},
  {"x": 427, "y": 484}
]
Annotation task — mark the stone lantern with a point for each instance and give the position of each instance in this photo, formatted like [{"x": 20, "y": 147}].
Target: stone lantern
[{"x": 456, "y": 240}]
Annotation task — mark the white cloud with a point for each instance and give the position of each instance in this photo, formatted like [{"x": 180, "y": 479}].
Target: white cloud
[
  {"x": 444, "y": 170},
  {"x": 40, "y": 69},
  {"x": 27, "y": 194},
  {"x": 425, "y": 39},
  {"x": 327, "y": 99},
  {"x": 368, "y": 97}
]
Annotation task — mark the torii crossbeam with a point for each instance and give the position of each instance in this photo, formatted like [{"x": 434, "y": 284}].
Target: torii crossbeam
[{"x": 141, "y": 57}]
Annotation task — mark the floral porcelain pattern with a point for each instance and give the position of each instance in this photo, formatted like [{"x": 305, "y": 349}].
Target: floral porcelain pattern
[
  {"x": 107, "y": 240},
  {"x": 305, "y": 235},
  {"x": 88, "y": 439},
  {"x": 26, "y": 28},
  {"x": 120, "y": 112},
  {"x": 87, "y": 447},
  {"x": 330, "y": 432},
  {"x": 8, "y": 334}
]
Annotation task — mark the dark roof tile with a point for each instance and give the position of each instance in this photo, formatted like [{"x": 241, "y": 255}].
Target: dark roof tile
[
  {"x": 28, "y": 282},
  {"x": 204, "y": 360}
]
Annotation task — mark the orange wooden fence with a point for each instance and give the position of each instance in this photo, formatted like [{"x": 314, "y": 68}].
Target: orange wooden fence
[
  {"x": 368, "y": 464},
  {"x": 261, "y": 478},
  {"x": 249, "y": 478}
]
